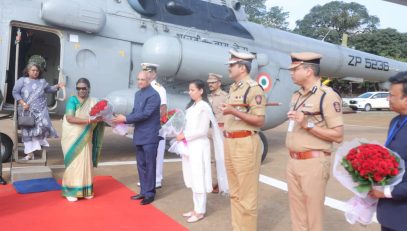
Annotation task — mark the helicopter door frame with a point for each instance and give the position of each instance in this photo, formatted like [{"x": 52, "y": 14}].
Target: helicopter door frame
[{"x": 54, "y": 31}]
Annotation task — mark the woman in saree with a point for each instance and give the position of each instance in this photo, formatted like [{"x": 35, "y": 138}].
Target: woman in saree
[
  {"x": 81, "y": 143},
  {"x": 196, "y": 162},
  {"x": 30, "y": 92}
]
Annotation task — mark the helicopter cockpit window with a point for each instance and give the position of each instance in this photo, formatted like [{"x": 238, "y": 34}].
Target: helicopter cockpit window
[
  {"x": 198, "y": 14},
  {"x": 178, "y": 8},
  {"x": 145, "y": 7},
  {"x": 220, "y": 12}
]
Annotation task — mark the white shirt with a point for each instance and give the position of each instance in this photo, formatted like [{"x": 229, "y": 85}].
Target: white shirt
[{"x": 161, "y": 91}]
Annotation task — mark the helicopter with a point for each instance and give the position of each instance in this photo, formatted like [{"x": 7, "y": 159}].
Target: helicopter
[{"x": 106, "y": 40}]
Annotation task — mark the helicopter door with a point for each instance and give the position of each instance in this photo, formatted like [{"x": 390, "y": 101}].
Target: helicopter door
[
  {"x": 106, "y": 62},
  {"x": 38, "y": 45}
]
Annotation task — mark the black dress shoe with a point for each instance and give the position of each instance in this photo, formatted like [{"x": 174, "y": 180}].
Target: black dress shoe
[
  {"x": 2, "y": 181},
  {"x": 147, "y": 200},
  {"x": 137, "y": 197}
]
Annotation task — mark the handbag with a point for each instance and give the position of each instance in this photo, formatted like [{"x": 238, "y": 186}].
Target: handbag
[{"x": 26, "y": 119}]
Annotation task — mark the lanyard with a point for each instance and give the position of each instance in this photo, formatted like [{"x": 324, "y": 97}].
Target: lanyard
[
  {"x": 313, "y": 90},
  {"x": 394, "y": 130}
]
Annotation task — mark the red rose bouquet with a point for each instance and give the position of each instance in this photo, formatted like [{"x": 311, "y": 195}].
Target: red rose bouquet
[
  {"x": 371, "y": 164},
  {"x": 105, "y": 110},
  {"x": 361, "y": 165},
  {"x": 98, "y": 107},
  {"x": 164, "y": 119}
]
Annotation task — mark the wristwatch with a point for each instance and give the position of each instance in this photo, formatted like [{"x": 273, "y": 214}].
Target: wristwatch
[{"x": 310, "y": 125}]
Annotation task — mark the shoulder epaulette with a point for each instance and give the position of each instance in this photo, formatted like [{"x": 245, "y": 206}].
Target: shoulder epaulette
[{"x": 252, "y": 83}]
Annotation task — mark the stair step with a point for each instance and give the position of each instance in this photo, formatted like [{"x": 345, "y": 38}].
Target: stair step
[{"x": 29, "y": 173}]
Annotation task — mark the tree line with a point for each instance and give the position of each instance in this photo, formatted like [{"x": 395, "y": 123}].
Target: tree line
[{"x": 329, "y": 22}]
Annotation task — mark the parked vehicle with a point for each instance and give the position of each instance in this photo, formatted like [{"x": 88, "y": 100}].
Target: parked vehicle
[{"x": 368, "y": 101}]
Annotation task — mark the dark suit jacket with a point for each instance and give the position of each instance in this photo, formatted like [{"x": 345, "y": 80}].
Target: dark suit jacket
[
  {"x": 392, "y": 212},
  {"x": 145, "y": 116}
]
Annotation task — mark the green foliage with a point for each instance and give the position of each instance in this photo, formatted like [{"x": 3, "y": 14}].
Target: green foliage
[
  {"x": 275, "y": 17},
  {"x": 385, "y": 42},
  {"x": 364, "y": 185},
  {"x": 330, "y": 21}
]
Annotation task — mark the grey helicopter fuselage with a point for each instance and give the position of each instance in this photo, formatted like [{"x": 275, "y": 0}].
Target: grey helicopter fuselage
[{"x": 106, "y": 40}]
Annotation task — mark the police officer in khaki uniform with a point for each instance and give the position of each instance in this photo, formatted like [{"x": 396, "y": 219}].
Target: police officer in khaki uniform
[
  {"x": 244, "y": 116},
  {"x": 217, "y": 97},
  {"x": 315, "y": 122}
]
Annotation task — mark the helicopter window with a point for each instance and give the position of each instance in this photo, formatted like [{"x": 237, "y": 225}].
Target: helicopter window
[
  {"x": 197, "y": 14},
  {"x": 178, "y": 8},
  {"x": 145, "y": 7},
  {"x": 220, "y": 12}
]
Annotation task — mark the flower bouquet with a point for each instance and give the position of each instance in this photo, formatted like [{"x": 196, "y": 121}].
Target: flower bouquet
[
  {"x": 164, "y": 119},
  {"x": 105, "y": 110},
  {"x": 361, "y": 165},
  {"x": 173, "y": 124}
]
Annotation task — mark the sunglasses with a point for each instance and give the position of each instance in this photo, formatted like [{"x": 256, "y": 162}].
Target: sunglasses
[{"x": 81, "y": 88}]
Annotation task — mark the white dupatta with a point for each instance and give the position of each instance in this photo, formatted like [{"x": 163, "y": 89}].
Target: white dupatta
[{"x": 219, "y": 152}]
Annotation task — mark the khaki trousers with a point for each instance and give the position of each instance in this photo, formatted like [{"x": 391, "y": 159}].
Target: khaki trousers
[
  {"x": 307, "y": 181},
  {"x": 242, "y": 160}
]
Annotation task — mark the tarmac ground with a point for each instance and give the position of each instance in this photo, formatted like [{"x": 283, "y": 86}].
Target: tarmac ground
[{"x": 118, "y": 160}]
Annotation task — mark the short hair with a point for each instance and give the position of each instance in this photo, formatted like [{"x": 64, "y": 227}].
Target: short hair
[
  {"x": 315, "y": 68},
  {"x": 29, "y": 66},
  {"x": 400, "y": 77},
  {"x": 246, "y": 64},
  {"x": 85, "y": 81}
]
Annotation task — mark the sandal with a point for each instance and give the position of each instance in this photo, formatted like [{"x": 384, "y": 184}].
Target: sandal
[
  {"x": 188, "y": 214},
  {"x": 195, "y": 218},
  {"x": 29, "y": 156},
  {"x": 71, "y": 199}
]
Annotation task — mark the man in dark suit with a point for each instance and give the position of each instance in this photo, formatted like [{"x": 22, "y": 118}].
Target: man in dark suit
[
  {"x": 146, "y": 119},
  {"x": 392, "y": 207}
]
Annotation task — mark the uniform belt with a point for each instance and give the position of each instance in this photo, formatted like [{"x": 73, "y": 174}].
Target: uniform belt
[
  {"x": 221, "y": 125},
  {"x": 238, "y": 134},
  {"x": 308, "y": 154}
]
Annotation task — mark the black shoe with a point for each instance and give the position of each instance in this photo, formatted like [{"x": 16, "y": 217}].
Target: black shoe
[
  {"x": 137, "y": 197},
  {"x": 2, "y": 181},
  {"x": 147, "y": 200}
]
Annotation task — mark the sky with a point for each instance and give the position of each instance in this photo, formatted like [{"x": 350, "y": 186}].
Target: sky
[{"x": 388, "y": 13}]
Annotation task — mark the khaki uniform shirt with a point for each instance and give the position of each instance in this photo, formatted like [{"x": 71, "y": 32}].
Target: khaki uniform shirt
[
  {"x": 255, "y": 98},
  {"x": 300, "y": 140},
  {"x": 217, "y": 99}
]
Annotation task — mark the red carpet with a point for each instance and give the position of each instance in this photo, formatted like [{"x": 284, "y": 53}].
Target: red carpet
[{"x": 110, "y": 209}]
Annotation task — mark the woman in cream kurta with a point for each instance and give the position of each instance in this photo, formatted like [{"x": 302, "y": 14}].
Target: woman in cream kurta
[{"x": 196, "y": 164}]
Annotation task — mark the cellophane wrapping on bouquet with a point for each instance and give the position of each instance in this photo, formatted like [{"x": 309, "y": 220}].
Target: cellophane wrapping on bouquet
[
  {"x": 105, "y": 110},
  {"x": 174, "y": 123},
  {"x": 361, "y": 165}
]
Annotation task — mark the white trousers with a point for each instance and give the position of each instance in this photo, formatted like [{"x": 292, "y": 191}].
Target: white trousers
[
  {"x": 34, "y": 145},
  {"x": 199, "y": 202},
  {"x": 160, "y": 162}
]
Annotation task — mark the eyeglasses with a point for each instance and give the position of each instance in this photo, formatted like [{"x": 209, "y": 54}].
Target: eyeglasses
[
  {"x": 210, "y": 83},
  {"x": 81, "y": 88}
]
